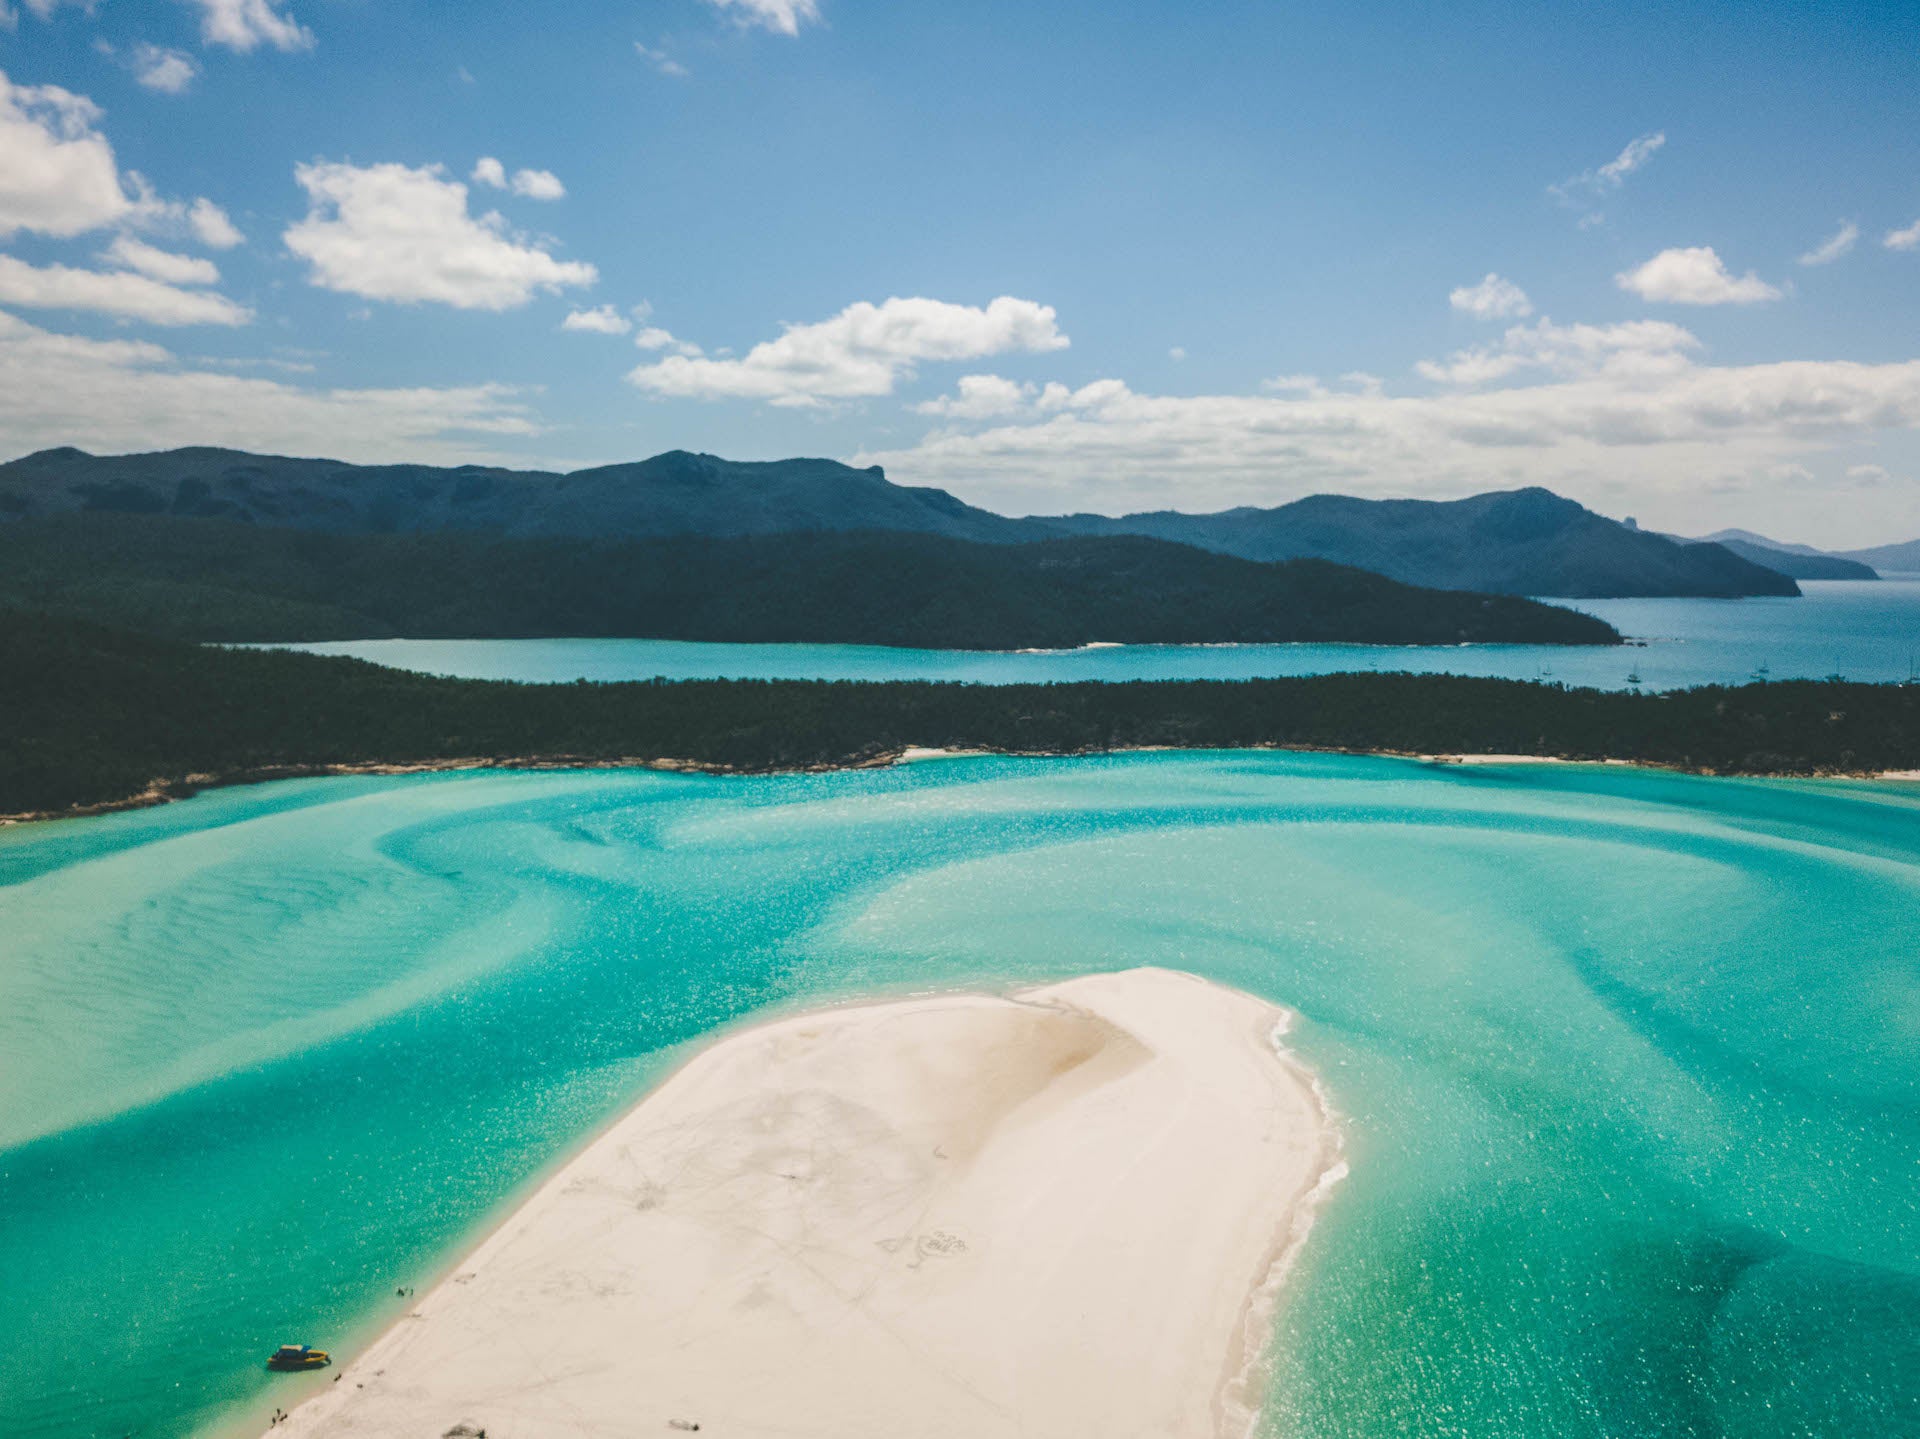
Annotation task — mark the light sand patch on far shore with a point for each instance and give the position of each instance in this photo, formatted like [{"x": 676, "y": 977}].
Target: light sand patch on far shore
[{"x": 957, "y": 1216}]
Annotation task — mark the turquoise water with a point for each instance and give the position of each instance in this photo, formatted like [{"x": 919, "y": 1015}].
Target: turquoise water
[
  {"x": 1629, "y": 1062},
  {"x": 1862, "y": 630}
]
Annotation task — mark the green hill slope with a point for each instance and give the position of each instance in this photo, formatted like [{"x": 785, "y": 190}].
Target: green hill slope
[{"x": 220, "y": 580}]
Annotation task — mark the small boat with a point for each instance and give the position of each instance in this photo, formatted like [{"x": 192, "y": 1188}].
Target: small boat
[
  {"x": 294, "y": 1357},
  {"x": 1633, "y": 677}
]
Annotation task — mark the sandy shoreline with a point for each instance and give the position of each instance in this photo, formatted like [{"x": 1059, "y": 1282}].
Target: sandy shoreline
[
  {"x": 1062, "y": 1212},
  {"x": 168, "y": 791}
]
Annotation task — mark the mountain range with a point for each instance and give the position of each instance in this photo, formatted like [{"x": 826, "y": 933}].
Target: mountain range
[
  {"x": 205, "y": 579},
  {"x": 1802, "y": 562},
  {"x": 1519, "y": 542}
]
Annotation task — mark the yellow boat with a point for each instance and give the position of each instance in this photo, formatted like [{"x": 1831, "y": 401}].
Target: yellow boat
[{"x": 298, "y": 1356}]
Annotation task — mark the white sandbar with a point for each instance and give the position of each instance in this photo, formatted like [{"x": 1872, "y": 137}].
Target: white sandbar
[{"x": 1058, "y": 1213}]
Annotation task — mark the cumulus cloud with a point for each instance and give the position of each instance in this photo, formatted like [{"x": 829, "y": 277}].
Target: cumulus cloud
[
  {"x": 57, "y": 171},
  {"x": 533, "y": 184},
  {"x": 600, "y": 320},
  {"x": 1637, "y": 433},
  {"x": 1638, "y": 347},
  {"x": 980, "y": 397},
  {"x": 784, "y": 17},
  {"x": 58, "y": 175},
  {"x": 652, "y": 338},
  {"x": 1695, "y": 276},
  {"x": 864, "y": 350},
  {"x": 1907, "y": 239},
  {"x": 1293, "y": 385},
  {"x": 246, "y": 25},
  {"x": 211, "y": 226},
  {"x": 1492, "y": 299},
  {"x": 538, "y": 185},
  {"x": 171, "y": 72},
  {"x": 127, "y": 253},
  {"x": 1832, "y": 248},
  {"x": 119, "y": 395},
  {"x": 125, "y": 293},
  {"x": 393, "y": 232}
]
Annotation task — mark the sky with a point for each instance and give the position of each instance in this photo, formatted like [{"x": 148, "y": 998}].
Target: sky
[{"x": 1049, "y": 256}]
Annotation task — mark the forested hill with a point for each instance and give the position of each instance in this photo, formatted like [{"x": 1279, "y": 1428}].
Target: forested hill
[
  {"x": 220, "y": 580},
  {"x": 91, "y": 716},
  {"x": 672, "y": 494},
  {"x": 1522, "y": 542}
]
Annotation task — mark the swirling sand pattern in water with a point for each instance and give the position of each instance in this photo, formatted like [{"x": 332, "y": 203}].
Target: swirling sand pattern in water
[{"x": 1630, "y": 1062}]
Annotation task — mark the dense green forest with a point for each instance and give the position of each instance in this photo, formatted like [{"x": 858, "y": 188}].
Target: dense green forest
[
  {"x": 91, "y": 715},
  {"x": 207, "y": 579}
]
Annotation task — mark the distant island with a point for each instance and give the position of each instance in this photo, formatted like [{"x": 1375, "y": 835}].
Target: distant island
[
  {"x": 1520, "y": 542},
  {"x": 91, "y": 716},
  {"x": 222, "y": 580},
  {"x": 1802, "y": 562}
]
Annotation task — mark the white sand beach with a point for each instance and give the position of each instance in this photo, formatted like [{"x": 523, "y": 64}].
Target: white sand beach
[{"x": 1060, "y": 1213}]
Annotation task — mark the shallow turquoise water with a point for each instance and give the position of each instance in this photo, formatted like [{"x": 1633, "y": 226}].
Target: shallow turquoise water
[
  {"x": 1862, "y": 630},
  {"x": 1630, "y": 1062}
]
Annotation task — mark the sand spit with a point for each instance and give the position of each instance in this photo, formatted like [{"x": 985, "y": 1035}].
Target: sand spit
[{"x": 1059, "y": 1213}]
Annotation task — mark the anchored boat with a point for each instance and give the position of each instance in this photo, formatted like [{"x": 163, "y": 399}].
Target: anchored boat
[{"x": 298, "y": 1356}]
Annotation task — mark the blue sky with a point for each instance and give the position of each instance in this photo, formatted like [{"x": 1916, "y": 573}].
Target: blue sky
[{"x": 1050, "y": 256}]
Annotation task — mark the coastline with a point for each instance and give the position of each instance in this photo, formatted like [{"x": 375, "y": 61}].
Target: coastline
[
  {"x": 160, "y": 792},
  {"x": 984, "y": 1209}
]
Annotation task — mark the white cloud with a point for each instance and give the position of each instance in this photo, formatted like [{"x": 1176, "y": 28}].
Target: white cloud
[
  {"x": 1580, "y": 190},
  {"x": 1638, "y": 434},
  {"x": 117, "y": 292},
  {"x": 980, "y": 397},
  {"x": 1638, "y": 347},
  {"x": 1492, "y": 299},
  {"x": 1907, "y": 239},
  {"x": 391, "y": 232},
  {"x": 1294, "y": 385},
  {"x": 538, "y": 185},
  {"x": 119, "y": 395},
  {"x": 57, "y": 171},
  {"x": 661, "y": 61},
  {"x": 58, "y": 175},
  {"x": 1636, "y": 154},
  {"x": 1177, "y": 353},
  {"x": 245, "y": 25},
  {"x": 1695, "y": 276},
  {"x": 1868, "y": 475},
  {"x": 784, "y": 17},
  {"x": 128, "y": 253},
  {"x": 533, "y": 184},
  {"x": 652, "y": 337},
  {"x": 1832, "y": 248},
  {"x": 862, "y": 351},
  {"x": 171, "y": 72},
  {"x": 600, "y": 320},
  {"x": 212, "y": 227}
]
